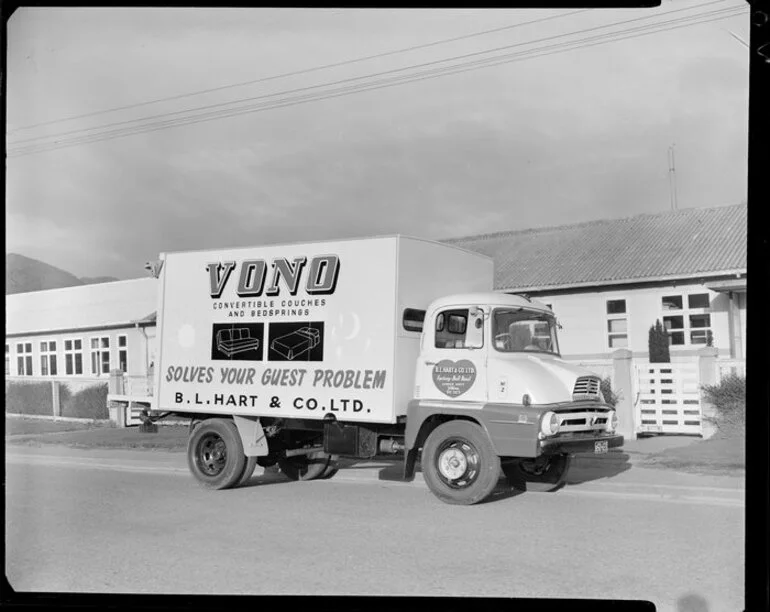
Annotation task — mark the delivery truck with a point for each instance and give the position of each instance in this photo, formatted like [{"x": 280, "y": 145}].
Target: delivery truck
[{"x": 303, "y": 354}]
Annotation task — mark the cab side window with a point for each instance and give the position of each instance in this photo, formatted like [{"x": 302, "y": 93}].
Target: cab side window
[{"x": 451, "y": 326}]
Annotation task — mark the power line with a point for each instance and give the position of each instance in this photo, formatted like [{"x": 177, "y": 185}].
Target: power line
[
  {"x": 298, "y": 72},
  {"x": 345, "y": 91},
  {"x": 369, "y": 76},
  {"x": 434, "y": 73}
]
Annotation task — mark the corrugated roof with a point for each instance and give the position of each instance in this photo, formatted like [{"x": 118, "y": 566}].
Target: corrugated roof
[
  {"x": 676, "y": 244},
  {"x": 71, "y": 308}
]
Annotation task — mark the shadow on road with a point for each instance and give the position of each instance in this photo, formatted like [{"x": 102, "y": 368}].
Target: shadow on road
[{"x": 588, "y": 467}]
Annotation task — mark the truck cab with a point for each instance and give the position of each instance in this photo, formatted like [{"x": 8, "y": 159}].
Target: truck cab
[{"x": 490, "y": 368}]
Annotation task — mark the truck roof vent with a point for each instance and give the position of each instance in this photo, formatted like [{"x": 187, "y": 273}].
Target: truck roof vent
[{"x": 586, "y": 388}]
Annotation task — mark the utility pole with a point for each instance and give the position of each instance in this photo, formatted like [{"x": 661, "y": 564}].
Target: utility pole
[{"x": 672, "y": 176}]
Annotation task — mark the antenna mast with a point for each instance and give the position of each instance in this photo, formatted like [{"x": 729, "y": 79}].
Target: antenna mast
[{"x": 672, "y": 176}]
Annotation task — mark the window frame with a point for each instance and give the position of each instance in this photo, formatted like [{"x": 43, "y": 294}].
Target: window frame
[
  {"x": 48, "y": 358},
  {"x": 73, "y": 352},
  {"x": 123, "y": 353},
  {"x": 98, "y": 353},
  {"x": 442, "y": 324},
  {"x": 687, "y": 331},
  {"x": 7, "y": 358},
  {"x": 24, "y": 363},
  {"x": 609, "y": 317}
]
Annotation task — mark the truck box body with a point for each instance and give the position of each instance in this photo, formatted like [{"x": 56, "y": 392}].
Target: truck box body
[{"x": 302, "y": 330}]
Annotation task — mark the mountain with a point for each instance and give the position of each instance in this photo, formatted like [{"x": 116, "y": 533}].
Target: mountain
[{"x": 23, "y": 274}]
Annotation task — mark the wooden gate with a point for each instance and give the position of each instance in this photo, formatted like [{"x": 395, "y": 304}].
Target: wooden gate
[{"x": 669, "y": 398}]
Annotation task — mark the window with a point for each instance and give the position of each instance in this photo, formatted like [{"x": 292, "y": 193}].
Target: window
[
  {"x": 122, "y": 354},
  {"x": 672, "y": 302},
  {"x": 100, "y": 356},
  {"x": 73, "y": 356},
  {"x": 48, "y": 358},
  {"x": 7, "y": 359},
  {"x": 675, "y": 328},
  {"x": 524, "y": 330},
  {"x": 413, "y": 319},
  {"x": 452, "y": 329},
  {"x": 698, "y": 300},
  {"x": 690, "y": 324},
  {"x": 24, "y": 359},
  {"x": 617, "y": 324}
]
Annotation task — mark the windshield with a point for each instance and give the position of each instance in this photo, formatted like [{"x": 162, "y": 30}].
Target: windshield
[{"x": 515, "y": 330}]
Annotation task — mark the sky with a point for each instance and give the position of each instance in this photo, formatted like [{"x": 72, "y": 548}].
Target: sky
[{"x": 569, "y": 134}]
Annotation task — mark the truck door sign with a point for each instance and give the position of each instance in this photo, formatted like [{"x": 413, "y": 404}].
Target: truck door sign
[{"x": 453, "y": 378}]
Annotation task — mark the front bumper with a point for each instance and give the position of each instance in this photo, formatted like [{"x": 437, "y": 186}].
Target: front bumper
[{"x": 577, "y": 442}]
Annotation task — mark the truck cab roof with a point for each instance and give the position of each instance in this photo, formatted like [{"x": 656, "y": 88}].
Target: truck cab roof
[{"x": 494, "y": 299}]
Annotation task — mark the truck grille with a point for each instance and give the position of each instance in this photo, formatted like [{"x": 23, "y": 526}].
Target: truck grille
[{"x": 586, "y": 388}]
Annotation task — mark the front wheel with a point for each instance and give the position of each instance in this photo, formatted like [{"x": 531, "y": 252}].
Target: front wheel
[
  {"x": 459, "y": 463},
  {"x": 543, "y": 474},
  {"x": 215, "y": 454}
]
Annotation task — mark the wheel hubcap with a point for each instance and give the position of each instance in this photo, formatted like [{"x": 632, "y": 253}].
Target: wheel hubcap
[
  {"x": 457, "y": 463},
  {"x": 212, "y": 455}
]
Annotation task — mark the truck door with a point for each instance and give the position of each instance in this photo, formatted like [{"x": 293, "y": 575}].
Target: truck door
[{"x": 453, "y": 356}]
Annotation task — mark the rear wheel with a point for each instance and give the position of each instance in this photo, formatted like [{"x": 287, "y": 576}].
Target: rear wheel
[
  {"x": 543, "y": 474},
  {"x": 248, "y": 470},
  {"x": 215, "y": 454},
  {"x": 459, "y": 463},
  {"x": 305, "y": 467}
]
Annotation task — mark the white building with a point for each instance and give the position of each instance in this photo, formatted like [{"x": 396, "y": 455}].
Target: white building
[
  {"x": 609, "y": 281},
  {"x": 79, "y": 334}
]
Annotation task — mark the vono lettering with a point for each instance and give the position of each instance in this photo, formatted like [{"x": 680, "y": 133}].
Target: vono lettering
[{"x": 320, "y": 276}]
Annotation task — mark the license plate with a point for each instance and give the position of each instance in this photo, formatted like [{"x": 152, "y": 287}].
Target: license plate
[{"x": 601, "y": 447}]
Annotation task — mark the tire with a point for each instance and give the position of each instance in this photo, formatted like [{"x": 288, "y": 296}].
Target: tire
[
  {"x": 459, "y": 463},
  {"x": 331, "y": 469},
  {"x": 215, "y": 454},
  {"x": 248, "y": 470},
  {"x": 305, "y": 467},
  {"x": 528, "y": 475}
]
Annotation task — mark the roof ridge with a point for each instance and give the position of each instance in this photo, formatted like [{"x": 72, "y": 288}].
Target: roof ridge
[{"x": 532, "y": 230}]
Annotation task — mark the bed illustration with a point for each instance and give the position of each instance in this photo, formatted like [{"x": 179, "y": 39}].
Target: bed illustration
[
  {"x": 236, "y": 340},
  {"x": 297, "y": 342}
]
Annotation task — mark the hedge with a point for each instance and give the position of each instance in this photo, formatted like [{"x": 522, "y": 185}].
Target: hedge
[
  {"x": 88, "y": 403},
  {"x": 36, "y": 398},
  {"x": 29, "y": 398}
]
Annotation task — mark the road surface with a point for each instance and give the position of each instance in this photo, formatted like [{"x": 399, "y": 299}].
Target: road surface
[{"x": 135, "y": 521}]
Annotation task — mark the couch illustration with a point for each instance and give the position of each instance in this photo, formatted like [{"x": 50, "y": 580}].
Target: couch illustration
[
  {"x": 296, "y": 343},
  {"x": 236, "y": 340}
]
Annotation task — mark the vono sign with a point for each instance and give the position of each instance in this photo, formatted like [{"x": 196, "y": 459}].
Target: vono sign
[{"x": 320, "y": 277}]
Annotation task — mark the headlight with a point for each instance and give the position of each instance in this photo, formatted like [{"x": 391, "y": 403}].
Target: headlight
[
  {"x": 549, "y": 424},
  {"x": 612, "y": 420}
]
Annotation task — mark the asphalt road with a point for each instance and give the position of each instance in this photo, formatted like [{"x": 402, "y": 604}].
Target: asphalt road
[{"x": 135, "y": 522}]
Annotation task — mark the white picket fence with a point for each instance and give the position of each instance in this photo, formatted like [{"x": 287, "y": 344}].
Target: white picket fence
[{"x": 669, "y": 399}]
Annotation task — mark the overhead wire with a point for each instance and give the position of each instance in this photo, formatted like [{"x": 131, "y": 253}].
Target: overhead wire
[
  {"x": 299, "y": 72},
  {"x": 363, "y": 77},
  {"x": 433, "y": 73}
]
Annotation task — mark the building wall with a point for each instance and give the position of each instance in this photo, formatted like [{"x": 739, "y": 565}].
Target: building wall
[
  {"x": 135, "y": 348},
  {"x": 585, "y": 320}
]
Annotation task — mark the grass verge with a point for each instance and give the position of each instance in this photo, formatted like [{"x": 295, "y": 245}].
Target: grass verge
[
  {"x": 81, "y": 435},
  {"x": 723, "y": 452}
]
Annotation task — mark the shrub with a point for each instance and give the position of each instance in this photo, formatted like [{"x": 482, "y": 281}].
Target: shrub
[
  {"x": 88, "y": 403},
  {"x": 729, "y": 401},
  {"x": 29, "y": 398},
  {"x": 610, "y": 396},
  {"x": 658, "y": 344}
]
